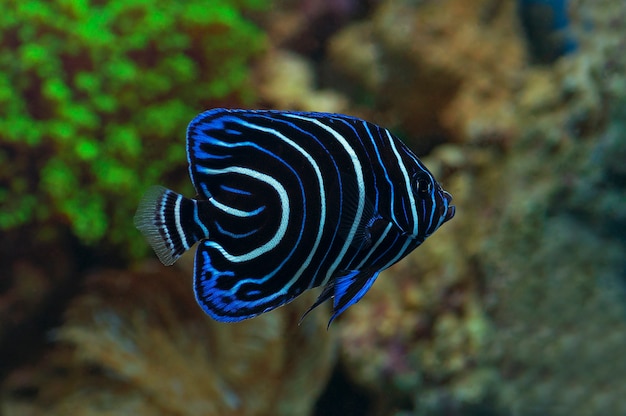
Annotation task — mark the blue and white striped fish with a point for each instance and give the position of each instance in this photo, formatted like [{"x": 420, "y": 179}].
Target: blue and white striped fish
[{"x": 288, "y": 201}]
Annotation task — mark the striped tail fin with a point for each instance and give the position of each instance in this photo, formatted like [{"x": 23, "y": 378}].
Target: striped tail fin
[{"x": 170, "y": 223}]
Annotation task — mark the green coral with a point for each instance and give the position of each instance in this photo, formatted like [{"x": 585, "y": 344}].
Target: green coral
[{"x": 96, "y": 97}]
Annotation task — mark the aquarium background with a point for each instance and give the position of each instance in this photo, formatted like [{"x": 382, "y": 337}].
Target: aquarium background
[{"x": 515, "y": 307}]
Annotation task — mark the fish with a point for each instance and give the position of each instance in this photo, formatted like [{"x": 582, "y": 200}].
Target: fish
[
  {"x": 546, "y": 26},
  {"x": 288, "y": 201}
]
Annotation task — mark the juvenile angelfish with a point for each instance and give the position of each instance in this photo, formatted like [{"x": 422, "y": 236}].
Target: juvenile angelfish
[{"x": 289, "y": 201}]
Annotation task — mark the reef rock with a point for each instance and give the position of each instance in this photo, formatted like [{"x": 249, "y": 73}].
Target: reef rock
[
  {"x": 435, "y": 68},
  {"x": 517, "y": 305}
]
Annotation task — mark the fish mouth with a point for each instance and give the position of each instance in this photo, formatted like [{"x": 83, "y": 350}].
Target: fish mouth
[{"x": 450, "y": 210}]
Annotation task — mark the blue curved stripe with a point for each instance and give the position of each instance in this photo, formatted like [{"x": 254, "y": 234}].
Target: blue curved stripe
[{"x": 231, "y": 234}]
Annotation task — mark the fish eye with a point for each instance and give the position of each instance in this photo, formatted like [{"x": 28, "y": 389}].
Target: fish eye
[{"x": 423, "y": 185}]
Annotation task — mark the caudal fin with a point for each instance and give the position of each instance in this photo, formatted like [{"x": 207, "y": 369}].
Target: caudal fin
[{"x": 167, "y": 220}]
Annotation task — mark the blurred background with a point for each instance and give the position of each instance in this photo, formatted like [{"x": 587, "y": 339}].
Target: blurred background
[{"x": 516, "y": 307}]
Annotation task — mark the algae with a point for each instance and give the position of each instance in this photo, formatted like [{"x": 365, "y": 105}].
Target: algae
[{"x": 96, "y": 98}]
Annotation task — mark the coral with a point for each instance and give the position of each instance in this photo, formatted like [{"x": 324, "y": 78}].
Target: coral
[
  {"x": 33, "y": 278},
  {"x": 304, "y": 26},
  {"x": 516, "y": 306},
  {"x": 285, "y": 81},
  {"x": 435, "y": 68},
  {"x": 97, "y": 96},
  {"x": 137, "y": 342},
  {"x": 559, "y": 317},
  {"x": 557, "y": 272}
]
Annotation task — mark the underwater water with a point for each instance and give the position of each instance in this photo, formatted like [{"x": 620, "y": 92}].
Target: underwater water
[{"x": 516, "y": 306}]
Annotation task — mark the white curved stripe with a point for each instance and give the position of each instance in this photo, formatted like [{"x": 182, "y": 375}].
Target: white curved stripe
[
  {"x": 179, "y": 227},
  {"x": 234, "y": 211},
  {"x": 168, "y": 236},
  {"x": 428, "y": 222},
  {"x": 322, "y": 193},
  {"x": 401, "y": 253},
  {"x": 407, "y": 182},
  {"x": 377, "y": 149},
  {"x": 284, "y": 219},
  {"x": 361, "y": 186}
]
